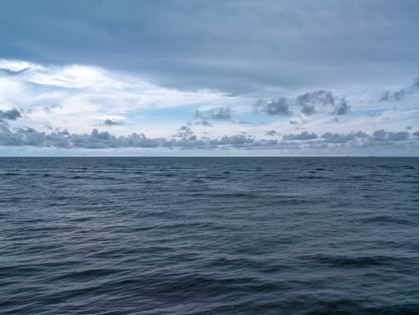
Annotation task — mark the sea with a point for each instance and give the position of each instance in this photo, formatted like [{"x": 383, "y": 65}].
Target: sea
[{"x": 209, "y": 235}]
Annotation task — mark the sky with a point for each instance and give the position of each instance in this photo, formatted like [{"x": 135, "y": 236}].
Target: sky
[{"x": 209, "y": 78}]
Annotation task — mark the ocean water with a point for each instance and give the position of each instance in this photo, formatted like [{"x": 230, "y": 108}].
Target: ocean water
[{"x": 209, "y": 236}]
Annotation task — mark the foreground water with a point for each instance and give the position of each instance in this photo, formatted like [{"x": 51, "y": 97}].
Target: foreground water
[{"x": 209, "y": 236}]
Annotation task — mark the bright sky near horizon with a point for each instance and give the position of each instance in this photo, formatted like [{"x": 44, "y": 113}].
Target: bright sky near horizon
[{"x": 193, "y": 77}]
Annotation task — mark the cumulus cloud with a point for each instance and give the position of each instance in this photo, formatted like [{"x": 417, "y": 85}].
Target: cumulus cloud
[
  {"x": 11, "y": 114},
  {"x": 96, "y": 139},
  {"x": 342, "y": 108},
  {"x": 313, "y": 102},
  {"x": 184, "y": 132},
  {"x": 302, "y": 136},
  {"x": 338, "y": 138},
  {"x": 224, "y": 113},
  {"x": 308, "y": 101},
  {"x": 274, "y": 107},
  {"x": 382, "y": 135},
  {"x": 361, "y": 135},
  {"x": 398, "y": 136}
]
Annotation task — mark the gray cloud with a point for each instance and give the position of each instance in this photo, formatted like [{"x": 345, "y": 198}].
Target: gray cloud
[
  {"x": 415, "y": 134},
  {"x": 104, "y": 140},
  {"x": 361, "y": 135},
  {"x": 382, "y": 135},
  {"x": 398, "y": 136},
  {"x": 214, "y": 114},
  {"x": 311, "y": 103},
  {"x": 293, "y": 122},
  {"x": 50, "y": 109},
  {"x": 399, "y": 94},
  {"x": 9, "y": 72},
  {"x": 338, "y": 138},
  {"x": 184, "y": 132},
  {"x": 395, "y": 96},
  {"x": 302, "y": 136},
  {"x": 272, "y": 133},
  {"x": 232, "y": 46},
  {"x": 108, "y": 122},
  {"x": 342, "y": 108},
  {"x": 203, "y": 123},
  {"x": 279, "y": 107},
  {"x": 11, "y": 114},
  {"x": 308, "y": 101}
]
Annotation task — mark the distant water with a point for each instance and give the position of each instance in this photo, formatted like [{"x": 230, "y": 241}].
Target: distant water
[{"x": 209, "y": 236}]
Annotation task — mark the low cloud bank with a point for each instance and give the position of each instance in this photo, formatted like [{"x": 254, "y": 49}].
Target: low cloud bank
[{"x": 186, "y": 139}]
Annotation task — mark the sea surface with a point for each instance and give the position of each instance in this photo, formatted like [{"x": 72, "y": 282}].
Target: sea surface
[{"x": 209, "y": 235}]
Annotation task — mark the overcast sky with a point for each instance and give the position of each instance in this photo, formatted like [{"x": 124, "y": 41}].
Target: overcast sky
[{"x": 209, "y": 77}]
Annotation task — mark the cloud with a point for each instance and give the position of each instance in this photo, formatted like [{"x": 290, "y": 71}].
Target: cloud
[
  {"x": 338, "y": 138},
  {"x": 279, "y": 107},
  {"x": 13, "y": 73},
  {"x": 308, "y": 101},
  {"x": 110, "y": 123},
  {"x": 184, "y": 132},
  {"x": 382, "y": 135},
  {"x": 11, "y": 114},
  {"x": 30, "y": 137},
  {"x": 342, "y": 108},
  {"x": 50, "y": 109},
  {"x": 204, "y": 123},
  {"x": 399, "y": 94},
  {"x": 235, "y": 46},
  {"x": 395, "y": 96},
  {"x": 293, "y": 122},
  {"x": 272, "y": 133},
  {"x": 313, "y": 102},
  {"x": 302, "y": 136},
  {"x": 398, "y": 136},
  {"x": 361, "y": 135},
  {"x": 219, "y": 114}
]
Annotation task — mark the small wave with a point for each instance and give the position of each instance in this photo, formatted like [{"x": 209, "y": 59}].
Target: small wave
[
  {"x": 87, "y": 275},
  {"x": 384, "y": 219},
  {"x": 197, "y": 181},
  {"x": 409, "y": 167},
  {"x": 357, "y": 262}
]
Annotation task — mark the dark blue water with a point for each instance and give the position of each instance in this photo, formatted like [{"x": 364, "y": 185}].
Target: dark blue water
[{"x": 209, "y": 236}]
